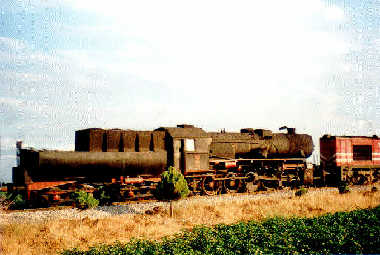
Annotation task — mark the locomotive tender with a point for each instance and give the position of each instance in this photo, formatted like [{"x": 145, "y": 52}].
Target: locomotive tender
[{"x": 132, "y": 161}]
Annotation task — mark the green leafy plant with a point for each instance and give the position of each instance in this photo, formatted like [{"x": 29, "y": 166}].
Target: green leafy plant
[
  {"x": 12, "y": 201},
  {"x": 343, "y": 188},
  {"x": 103, "y": 195},
  {"x": 300, "y": 192},
  {"x": 355, "y": 232},
  {"x": 84, "y": 200},
  {"x": 3, "y": 195},
  {"x": 4, "y": 200},
  {"x": 18, "y": 202},
  {"x": 172, "y": 185}
]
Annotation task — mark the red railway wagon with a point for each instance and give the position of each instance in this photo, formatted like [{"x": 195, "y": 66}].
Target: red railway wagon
[{"x": 354, "y": 159}]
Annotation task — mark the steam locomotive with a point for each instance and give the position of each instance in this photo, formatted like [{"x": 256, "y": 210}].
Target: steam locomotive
[{"x": 130, "y": 162}]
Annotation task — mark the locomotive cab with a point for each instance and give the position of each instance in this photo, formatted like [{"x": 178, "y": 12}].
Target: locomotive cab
[{"x": 187, "y": 148}]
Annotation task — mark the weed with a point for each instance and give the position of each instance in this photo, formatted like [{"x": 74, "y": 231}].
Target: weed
[
  {"x": 343, "y": 188},
  {"x": 84, "y": 200},
  {"x": 11, "y": 201},
  {"x": 300, "y": 192},
  {"x": 103, "y": 196}
]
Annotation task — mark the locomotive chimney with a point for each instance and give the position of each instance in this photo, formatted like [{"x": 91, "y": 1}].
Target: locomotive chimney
[
  {"x": 185, "y": 126},
  {"x": 291, "y": 131},
  {"x": 18, "y": 152}
]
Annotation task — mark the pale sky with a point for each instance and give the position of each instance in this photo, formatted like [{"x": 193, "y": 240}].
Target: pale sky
[{"x": 68, "y": 65}]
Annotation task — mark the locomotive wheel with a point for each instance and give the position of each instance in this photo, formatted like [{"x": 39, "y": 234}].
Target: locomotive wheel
[
  {"x": 233, "y": 185},
  {"x": 209, "y": 186},
  {"x": 376, "y": 176},
  {"x": 194, "y": 185},
  {"x": 252, "y": 182},
  {"x": 358, "y": 179},
  {"x": 261, "y": 186}
]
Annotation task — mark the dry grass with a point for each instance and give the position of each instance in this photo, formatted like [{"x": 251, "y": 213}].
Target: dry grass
[{"x": 53, "y": 236}]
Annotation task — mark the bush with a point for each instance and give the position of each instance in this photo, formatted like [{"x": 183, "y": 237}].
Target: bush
[
  {"x": 302, "y": 191},
  {"x": 3, "y": 195},
  {"x": 12, "y": 201},
  {"x": 103, "y": 195},
  {"x": 18, "y": 202},
  {"x": 4, "y": 202},
  {"x": 343, "y": 188},
  {"x": 172, "y": 186},
  {"x": 84, "y": 200}
]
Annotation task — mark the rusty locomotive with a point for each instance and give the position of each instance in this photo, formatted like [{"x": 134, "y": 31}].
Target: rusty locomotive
[{"x": 130, "y": 162}]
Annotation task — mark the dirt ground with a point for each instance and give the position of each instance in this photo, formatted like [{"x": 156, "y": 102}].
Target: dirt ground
[{"x": 49, "y": 232}]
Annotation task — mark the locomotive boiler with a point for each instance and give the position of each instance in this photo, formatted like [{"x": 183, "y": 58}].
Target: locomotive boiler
[
  {"x": 132, "y": 161},
  {"x": 261, "y": 143}
]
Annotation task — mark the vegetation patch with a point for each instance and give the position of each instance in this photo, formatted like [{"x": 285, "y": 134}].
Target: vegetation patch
[
  {"x": 343, "y": 232},
  {"x": 300, "y": 192},
  {"x": 11, "y": 201},
  {"x": 84, "y": 200},
  {"x": 103, "y": 195},
  {"x": 343, "y": 188},
  {"x": 172, "y": 186}
]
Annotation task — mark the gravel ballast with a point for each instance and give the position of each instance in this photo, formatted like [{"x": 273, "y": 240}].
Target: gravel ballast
[{"x": 35, "y": 215}]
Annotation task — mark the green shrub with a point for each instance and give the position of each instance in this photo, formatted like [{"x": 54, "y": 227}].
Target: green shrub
[
  {"x": 103, "y": 195},
  {"x": 3, "y": 195},
  {"x": 18, "y": 202},
  {"x": 172, "y": 186},
  {"x": 4, "y": 202},
  {"x": 343, "y": 188},
  {"x": 12, "y": 201},
  {"x": 302, "y": 191},
  {"x": 84, "y": 200}
]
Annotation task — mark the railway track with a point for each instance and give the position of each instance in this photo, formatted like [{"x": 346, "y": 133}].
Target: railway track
[{"x": 149, "y": 206}]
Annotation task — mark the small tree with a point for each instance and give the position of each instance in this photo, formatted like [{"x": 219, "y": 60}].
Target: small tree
[{"x": 172, "y": 186}]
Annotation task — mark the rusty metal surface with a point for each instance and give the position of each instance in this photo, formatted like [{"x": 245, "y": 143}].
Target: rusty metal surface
[
  {"x": 43, "y": 185},
  {"x": 55, "y": 164},
  {"x": 129, "y": 140},
  {"x": 114, "y": 140},
  {"x": 143, "y": 141},
  {"x": 186, "y": 132},
  {"x": 291, "y": 145},
  {"x": 118, "y": 140},
  {"x": 158, "y": 140},
  {"x": 262, "y": 143},
  {"x": 337, "y": 151},
  {"x": 89, "y": 139}
]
